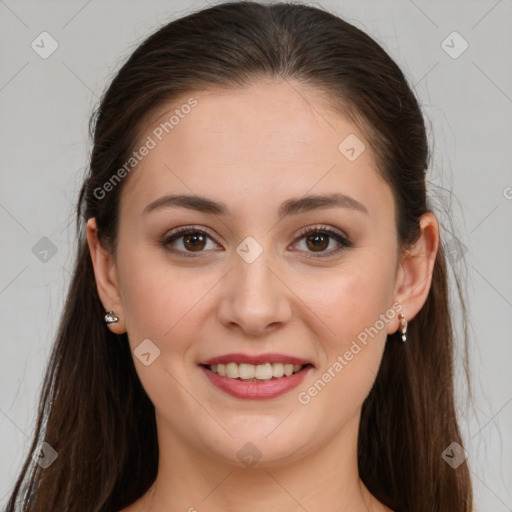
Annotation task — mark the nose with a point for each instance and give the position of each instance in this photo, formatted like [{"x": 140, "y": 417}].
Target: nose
[{"x": 254, "y": 298}]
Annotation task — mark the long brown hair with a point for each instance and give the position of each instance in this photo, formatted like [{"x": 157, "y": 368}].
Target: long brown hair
[{"x": 93, "y": 410}]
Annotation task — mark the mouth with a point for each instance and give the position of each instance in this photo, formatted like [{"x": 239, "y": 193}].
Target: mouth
[
  {"x": 256, "y": 377},
  {"x": 255, "y": 373}
]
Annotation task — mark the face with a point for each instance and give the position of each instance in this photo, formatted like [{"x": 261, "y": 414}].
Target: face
[{"x": 263, "y": 276}]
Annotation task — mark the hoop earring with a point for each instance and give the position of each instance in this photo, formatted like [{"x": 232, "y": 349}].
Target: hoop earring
[
  {"x": 403, "y": 326},
  {"x": 111, "y": 318}
]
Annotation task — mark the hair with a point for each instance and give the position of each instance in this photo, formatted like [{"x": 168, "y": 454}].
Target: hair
[{"x": 93, "y": 409}]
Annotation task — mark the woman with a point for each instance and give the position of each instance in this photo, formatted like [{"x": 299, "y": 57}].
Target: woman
[{"x": 258, "y": 317}]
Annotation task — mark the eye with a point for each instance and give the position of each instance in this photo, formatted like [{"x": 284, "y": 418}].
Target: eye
[
  {"x": 318, "y": 238},
  {"x": 191, "y": 239},
  {"x": 187, "y": 240}
]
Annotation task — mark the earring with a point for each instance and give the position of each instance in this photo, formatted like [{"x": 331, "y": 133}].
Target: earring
[
  {"x": 111, "y": 318},
  {"x": 403, "y": 326}
]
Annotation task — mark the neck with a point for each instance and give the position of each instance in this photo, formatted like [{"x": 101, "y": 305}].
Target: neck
[{"x": 325, "y": 479}]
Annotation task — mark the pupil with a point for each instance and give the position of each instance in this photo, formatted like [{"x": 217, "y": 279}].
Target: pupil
[
  {"x": 319, "y": 241},
  {"x": 193, "y": 239}
]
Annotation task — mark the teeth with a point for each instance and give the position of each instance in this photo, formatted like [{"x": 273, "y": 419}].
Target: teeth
[
  {"x": 264, "y": 371},
  {"x": 246, "y": 371},
  {"x": 288, "y": 369},
  {"x": 232, "y": 371},
  {"x": 277, "y": 370}
]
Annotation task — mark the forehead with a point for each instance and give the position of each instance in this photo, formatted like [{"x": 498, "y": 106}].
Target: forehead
[{"x": 266, "y": 140}]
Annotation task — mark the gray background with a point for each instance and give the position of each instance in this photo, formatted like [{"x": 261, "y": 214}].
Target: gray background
[{"x": 46, "y": 103}]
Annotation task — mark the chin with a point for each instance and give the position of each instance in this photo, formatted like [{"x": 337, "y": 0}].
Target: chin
[{"x": 262, "y": 448}]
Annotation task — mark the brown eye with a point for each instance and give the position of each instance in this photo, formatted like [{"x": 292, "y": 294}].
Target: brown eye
[
  {"x": 318, "y": 242},
  {"x": 315, "y": 242},
  {"x": 187, "y": 241},
  {"x": 194, "y": 242}
]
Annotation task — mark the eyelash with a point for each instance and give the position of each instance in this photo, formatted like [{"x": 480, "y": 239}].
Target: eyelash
[{"x": 187, "y": 230}]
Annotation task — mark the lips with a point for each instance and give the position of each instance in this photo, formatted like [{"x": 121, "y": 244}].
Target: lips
[{"x": 255, "y": 377}]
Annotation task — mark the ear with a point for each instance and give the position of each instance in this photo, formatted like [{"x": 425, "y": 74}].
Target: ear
[
  {"x": 414, "y": 275},
  {"x": 105, "y": 273}
]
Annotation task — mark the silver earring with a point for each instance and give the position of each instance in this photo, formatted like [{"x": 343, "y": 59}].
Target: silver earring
[
  {"x": 403, "y": 326},
  {"x": 111, "y": 318}
]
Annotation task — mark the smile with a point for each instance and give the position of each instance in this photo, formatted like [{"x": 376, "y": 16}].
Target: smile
[
  {"x": 255, "y": 377},
  {"x": 253, "y": 373}
]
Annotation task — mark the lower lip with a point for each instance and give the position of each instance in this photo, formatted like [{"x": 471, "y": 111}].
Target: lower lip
[{"x": 256, "y": 390}]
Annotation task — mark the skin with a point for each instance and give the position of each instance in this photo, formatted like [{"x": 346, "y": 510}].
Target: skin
[{"x": 253, "y": 148}]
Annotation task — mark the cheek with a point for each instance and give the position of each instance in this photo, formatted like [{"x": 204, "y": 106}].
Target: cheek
[
  {"x": 355, "y": 308},
  {"x": 159, "y": 297},
  {"x": 159, "y": 303},
  {"x": 350, "y": 300}
]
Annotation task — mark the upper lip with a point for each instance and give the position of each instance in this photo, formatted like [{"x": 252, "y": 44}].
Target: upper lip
[{"x": 255, "y": 359}]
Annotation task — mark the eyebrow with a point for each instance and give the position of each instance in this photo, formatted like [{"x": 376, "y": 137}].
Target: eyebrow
[{"x": 289, "y": 207}]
